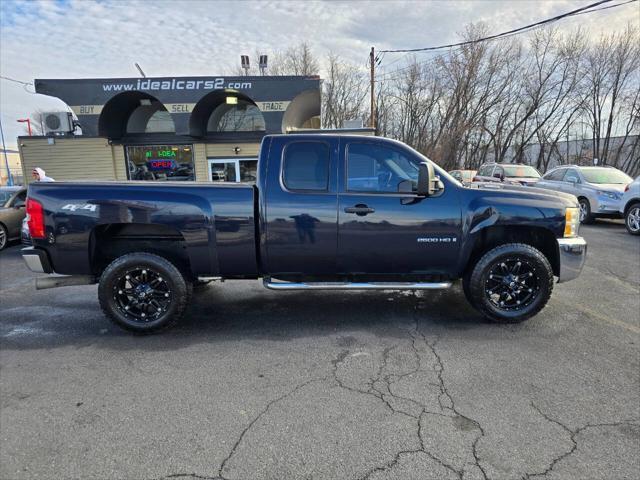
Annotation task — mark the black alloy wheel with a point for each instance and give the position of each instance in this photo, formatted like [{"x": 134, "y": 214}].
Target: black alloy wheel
[
  {"x": 510, "y": 283},
  {"x": 143, "y": 292}
]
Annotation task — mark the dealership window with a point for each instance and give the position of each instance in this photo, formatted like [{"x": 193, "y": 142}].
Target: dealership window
[
  {"x": 242, "y": 116},
  {"x": 306, "y": 166},
  {"x": 160, "y": 162},
  {"x": 233, "y": 169},
  {"x": 150, "y": 117}
]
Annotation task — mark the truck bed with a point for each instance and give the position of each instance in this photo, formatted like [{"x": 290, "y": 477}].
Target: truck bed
[{"x": 215, "y": 223}]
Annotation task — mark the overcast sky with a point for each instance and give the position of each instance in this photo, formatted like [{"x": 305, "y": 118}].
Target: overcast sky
[{"x": 83, "y": 38}]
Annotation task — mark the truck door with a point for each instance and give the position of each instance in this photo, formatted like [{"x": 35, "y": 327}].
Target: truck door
[
  {"x": 384, "y": 230},
  {"x": 299, "y": 211}
]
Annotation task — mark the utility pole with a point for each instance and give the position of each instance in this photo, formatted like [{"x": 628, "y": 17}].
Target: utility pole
[
  {"x": 372, "y": 65},
  {"x": 6, "y": 160}
]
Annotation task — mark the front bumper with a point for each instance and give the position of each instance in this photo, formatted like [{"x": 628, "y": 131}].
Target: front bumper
[
  {"x": 573, "y": 253},
  {"x": 605, "y": 207},
  {"x": 37, "y": 260}
]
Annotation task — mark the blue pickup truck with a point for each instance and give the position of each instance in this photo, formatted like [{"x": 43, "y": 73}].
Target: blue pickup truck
[{"x": 327, "y": 212}]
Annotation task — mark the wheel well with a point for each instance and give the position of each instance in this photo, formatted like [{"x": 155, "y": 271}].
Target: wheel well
[
  {"x": 631, "y": 202},
  {"x": 111, "y": 241},
  {"x": 538, "y": 237}
]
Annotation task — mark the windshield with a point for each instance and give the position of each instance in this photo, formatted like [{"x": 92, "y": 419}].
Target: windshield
[
  {"x": 605, "y": 175},
  {"x": 520, "y": 171}
]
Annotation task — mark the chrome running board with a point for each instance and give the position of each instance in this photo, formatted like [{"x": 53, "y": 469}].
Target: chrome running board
[
  {"x": 280, "y": 285},
  {"x": 55, "y": 281}
]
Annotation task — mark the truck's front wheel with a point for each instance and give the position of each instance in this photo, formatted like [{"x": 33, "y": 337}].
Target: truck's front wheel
[
  {"x": 143, "y": 292},
  {"x": 511, "y": 283}
]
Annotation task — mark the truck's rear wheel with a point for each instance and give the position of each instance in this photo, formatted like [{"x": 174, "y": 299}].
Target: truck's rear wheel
[
  {"x": 143, "y": 292},
  {"x": 511, "y": 283}
]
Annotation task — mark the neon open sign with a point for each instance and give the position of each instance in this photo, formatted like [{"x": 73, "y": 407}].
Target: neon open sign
[{"x": 161, "y": 164}]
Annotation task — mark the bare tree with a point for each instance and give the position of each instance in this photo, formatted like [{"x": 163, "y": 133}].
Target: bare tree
[
  {"x": 497, "y": 100},
  {"x": 610, "y": 72},
  {"x": 298, "y": 60},
  {"x": 520, "y": 99},
  {"x": 343, "y": 93}
]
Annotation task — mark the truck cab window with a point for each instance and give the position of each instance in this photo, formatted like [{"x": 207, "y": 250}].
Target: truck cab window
[
  {"x": 376, "y": 168},
  {"x": 306, "y": 166}
]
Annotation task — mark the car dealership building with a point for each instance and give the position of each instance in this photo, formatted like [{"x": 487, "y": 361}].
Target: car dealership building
[{"x": 169, "y": 128}]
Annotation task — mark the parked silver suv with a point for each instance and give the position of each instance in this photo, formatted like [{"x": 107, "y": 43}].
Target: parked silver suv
[
  {"x": 599, "y": 189},
  {"x": 630, "y": 207}
]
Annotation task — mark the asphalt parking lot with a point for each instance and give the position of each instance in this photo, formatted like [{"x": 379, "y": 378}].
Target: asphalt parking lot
[{"x": 255, "y": 384}]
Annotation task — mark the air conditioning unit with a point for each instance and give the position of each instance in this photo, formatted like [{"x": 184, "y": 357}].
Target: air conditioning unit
[{"x": 58, "y": 123}]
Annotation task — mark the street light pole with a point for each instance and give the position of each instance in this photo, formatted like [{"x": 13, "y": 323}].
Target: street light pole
[{"x": 6, "y": 160}]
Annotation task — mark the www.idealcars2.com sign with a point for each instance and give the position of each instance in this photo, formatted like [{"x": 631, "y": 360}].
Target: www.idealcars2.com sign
[{"x": 180, "y": 95}]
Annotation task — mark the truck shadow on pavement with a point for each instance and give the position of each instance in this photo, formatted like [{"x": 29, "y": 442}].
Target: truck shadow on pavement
[{"x": 243, "y": 310}]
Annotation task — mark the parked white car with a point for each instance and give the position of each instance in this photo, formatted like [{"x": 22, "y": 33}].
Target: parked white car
[
  {"x": 599, "y": 189},
  {"x": 630, "y": 207}
]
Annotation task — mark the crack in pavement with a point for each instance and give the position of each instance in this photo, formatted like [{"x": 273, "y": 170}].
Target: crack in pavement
[
  {"x": 253, "y": 422},
  {"x": 425, "y": 450},
  {"x": 188, "y": 475},
  {"x": 451, "y": 403},
  {"x": 372, "y": 391},
  {"x": 379, "y": 386},
  {"x": 446, "y": 403},
  {"x": 572, "y": 437},
  {"x": 389, "y": 465}
]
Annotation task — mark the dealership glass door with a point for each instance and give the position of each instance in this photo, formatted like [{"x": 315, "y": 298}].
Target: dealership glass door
[{"x": 233, "y": 169}]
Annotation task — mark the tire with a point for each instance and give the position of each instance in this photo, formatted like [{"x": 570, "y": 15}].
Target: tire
[
  {"x": 632, "y": 219},
  {"x": 524, "y": 286},
  {"x": 4, "y": 237},
  {"x": 585, "y": 211},
  {"x": 143, "y": 292},
  {"x": 466, "y": 286}
]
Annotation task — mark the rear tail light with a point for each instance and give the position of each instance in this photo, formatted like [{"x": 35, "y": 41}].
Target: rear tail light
[
  {"x": 35, "y": 216},
  {"x": 626, "y": 189},
  {"x": 475, "y": 179}
]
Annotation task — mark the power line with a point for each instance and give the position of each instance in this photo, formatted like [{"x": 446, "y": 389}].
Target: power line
[
  {"x": 394, "y": 74},
  {"x": 577, "y": 11},
  {"x": 607, "y": 7}
]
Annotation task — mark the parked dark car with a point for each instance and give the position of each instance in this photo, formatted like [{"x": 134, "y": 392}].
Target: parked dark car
[
  {"x": 12, "y": 211},
  {"x": 516, "y": 174},
  {"x": 327, "y": 212}
]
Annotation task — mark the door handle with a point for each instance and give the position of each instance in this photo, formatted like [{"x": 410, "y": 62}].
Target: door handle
[{"x": 360, "y": 209}]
